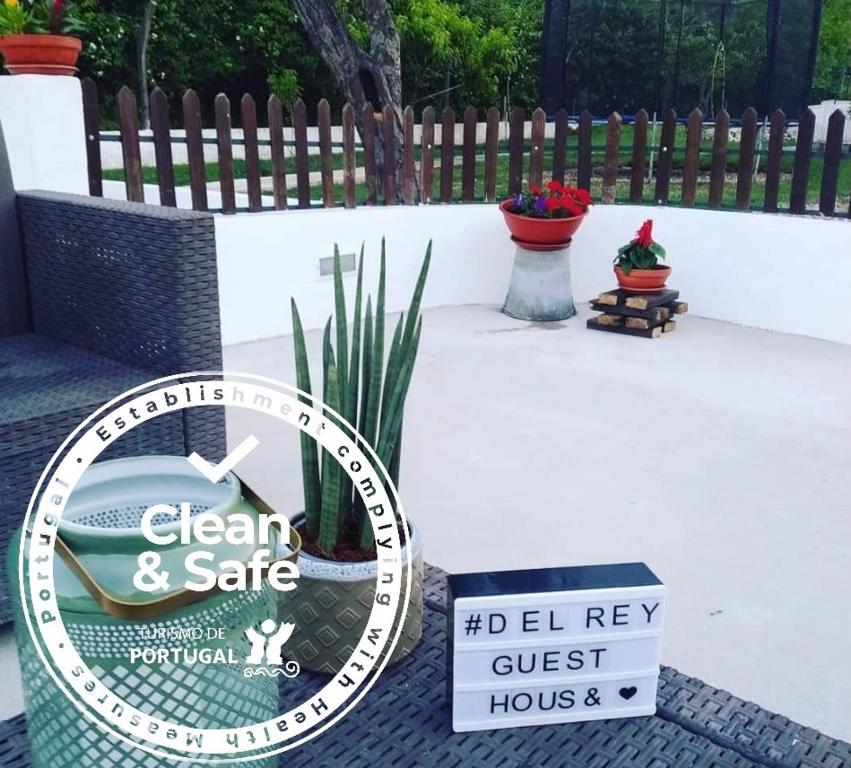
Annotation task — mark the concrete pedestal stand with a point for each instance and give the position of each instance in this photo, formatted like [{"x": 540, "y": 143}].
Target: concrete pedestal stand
[{"x": 540, "y": 284}]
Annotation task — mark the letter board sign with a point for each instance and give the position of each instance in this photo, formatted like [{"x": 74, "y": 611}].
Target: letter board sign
[{"x": 553, "y": 645}]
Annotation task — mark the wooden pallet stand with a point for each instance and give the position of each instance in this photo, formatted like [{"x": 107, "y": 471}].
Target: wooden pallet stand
[
  {"x": 647, "y": 315},
  {"x": 648, "y": 333},
  {"x": 637, "y": 300},
  {"x": 657, "y": 314}
]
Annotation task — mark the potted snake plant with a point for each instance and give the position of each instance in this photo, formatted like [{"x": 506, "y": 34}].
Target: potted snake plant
[
  {"x": 337, "y": 564},
  {"x": 37, "y": 37}
]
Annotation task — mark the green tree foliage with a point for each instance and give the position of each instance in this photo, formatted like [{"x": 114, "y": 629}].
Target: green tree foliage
[
  {"x": 833, "y": 67},
  {"x": 213, "y": 47},
  {"x": 462, "y": 53},
  {"x": 205, "y": 45},
  {"x": 108, "y": 50},
  {"x": 444, "y": 48},
  {"x": 483, "y": 50},
  {"x": 523, "y": 20},
  {"x": 285, "y": 84}
]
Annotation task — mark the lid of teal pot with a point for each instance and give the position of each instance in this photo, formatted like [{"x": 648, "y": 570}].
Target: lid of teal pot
[{"x": 102, "y": 526}]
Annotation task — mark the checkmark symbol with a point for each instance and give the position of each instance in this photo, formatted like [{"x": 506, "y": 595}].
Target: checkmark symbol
[{"x": 214, "y": 473}]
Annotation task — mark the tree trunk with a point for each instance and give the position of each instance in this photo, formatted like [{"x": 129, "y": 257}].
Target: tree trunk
[
  {"x": 143, "y": 34},
  {"x": 384, "y": 48},
  {"x": 366, "y": 78}
]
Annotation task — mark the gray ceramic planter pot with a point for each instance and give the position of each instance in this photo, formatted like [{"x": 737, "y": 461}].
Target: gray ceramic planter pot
[
  {"x": 540, "y": 286},
  {"x": 331, "y": 606}
]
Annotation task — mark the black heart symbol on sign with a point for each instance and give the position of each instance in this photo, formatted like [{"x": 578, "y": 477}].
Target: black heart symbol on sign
[{"x": 628, "y": 693}]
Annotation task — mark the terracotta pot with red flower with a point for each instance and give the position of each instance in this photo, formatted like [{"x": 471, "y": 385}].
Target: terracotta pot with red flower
[
  {"x": 37, "y": 37},
  {"x": 546, "y": 218},
  {"x": 637, "y": 264}
]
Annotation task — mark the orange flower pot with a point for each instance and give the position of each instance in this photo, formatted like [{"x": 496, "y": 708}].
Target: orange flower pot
[
  {"x": 40, "y": 54},
  {"x": 543, "y": 232},
  {"x": 643, "y": 280}
]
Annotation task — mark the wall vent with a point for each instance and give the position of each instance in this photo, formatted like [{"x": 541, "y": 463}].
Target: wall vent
[{"x": 326, "y": 264}]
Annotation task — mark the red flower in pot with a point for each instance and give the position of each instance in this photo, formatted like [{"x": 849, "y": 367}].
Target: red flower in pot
[
  {"x": 546, "y": 217},
  {"x": 637, "y": 264}
]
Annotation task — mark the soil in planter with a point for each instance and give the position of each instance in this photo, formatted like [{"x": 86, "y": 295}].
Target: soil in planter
[{"x": 347, "y": 552}]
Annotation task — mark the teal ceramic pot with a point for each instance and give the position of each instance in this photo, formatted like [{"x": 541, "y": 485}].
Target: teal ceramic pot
[{"x": 102, "y": 527}]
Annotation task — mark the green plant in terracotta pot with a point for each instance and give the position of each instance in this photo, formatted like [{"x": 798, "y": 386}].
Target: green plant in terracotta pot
[
  {"x": 367, "y": 384},
  {"x": 637, "y": 266},
  {"x": 37, "y": 37}
]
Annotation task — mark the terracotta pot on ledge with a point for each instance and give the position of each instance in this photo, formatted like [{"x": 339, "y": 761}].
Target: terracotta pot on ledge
[
  {"x": 540, "y": 231},
  {"x": 40, "y": 54},
  {"x": 643, "y": 280}
]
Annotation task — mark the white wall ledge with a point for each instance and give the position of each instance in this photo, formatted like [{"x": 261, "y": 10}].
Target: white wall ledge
[
  {"x": 42, "y": 119},
  {"x": 772, "y": 271}
]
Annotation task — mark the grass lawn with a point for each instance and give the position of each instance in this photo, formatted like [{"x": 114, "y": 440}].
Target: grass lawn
[{"x": 181, "y": 172}]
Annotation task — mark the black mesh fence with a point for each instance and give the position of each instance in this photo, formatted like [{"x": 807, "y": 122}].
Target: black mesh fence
[{"x": 605, "y": 55}]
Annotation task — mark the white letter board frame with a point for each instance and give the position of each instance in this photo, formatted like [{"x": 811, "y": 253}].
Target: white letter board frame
[{"x": 528, "y": 590}]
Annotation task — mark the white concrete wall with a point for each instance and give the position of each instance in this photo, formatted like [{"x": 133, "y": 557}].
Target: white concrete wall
[
  {"x": 42, "y": 119},
  {"x": 823, "y": 112},
  {"x": 782, "y": 273},
  {"x": 117, "y": 190}
]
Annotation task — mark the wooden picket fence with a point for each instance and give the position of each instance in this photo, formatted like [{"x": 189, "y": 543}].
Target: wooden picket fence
[{"x": 425, "y": 166}]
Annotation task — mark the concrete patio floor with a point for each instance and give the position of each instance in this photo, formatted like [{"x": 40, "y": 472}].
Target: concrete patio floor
[{"x": 717, "y": 454}]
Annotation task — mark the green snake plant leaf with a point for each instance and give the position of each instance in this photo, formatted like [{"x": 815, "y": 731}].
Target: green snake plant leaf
[
  {"x": 389, "y": 442},
  {"x": 358, "y": 508},
  {"x": 327, "y": 354},
  {"x": 397, "y": 399},
  {"x": 342, "y": 328},
  {"x": 396, "y": 458},
  {"x": 394, "y": 363},
  {"x": 367, "y": 536},
  {"x": 370, "y": 432},
  {"x": 400, "y": 347},
  {"x": 366, "y": 365},
  {"x": 309, "y": 456},
  {"x": 329, "y": 524},
  {"x": 350, "y": 410},
  {"x": 417, "y": 298}
]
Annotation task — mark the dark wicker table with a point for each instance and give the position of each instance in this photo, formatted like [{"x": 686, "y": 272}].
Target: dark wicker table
[{"x": 696, "y": 726}]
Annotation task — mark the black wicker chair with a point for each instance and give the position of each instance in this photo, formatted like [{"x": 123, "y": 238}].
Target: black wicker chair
[{"x": 97, "y": 296}]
